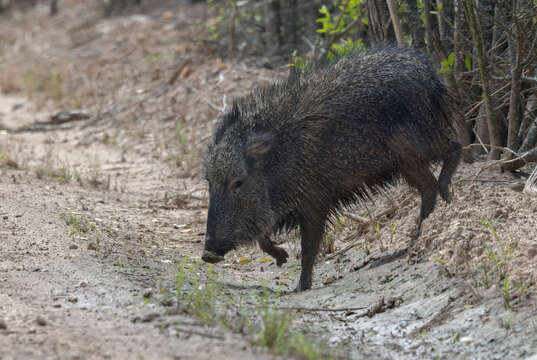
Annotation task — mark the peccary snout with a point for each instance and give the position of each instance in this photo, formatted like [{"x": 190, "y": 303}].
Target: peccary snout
[
  {"x": 211, "y": 257},
  {"x": 214, "y": 250}
]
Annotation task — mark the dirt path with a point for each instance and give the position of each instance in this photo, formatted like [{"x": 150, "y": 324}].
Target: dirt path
[
  {"x": 68, "y": 291},
  {"x": 98, "y": 216},
  {"x": 77, "y": 260}
]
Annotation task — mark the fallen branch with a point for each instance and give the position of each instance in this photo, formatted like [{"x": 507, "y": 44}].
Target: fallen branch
[
  {"x": 530, "y": 156},
  {"x": 211, "y": 104},
  {"x": 342, "y": 251},
  {"x": 67, "y": 116},
  {"x": 199, "y": 333},
  {"x": 306, "y": 309},
  {"x": 501, "y": 148},
  {"x": 376, "y": 308},
  {"x": 518, "y": 162},
  {"x": 486, "y": 180},
  {"x": 59, "y": 124},
  {"x": 177, "y": 72}
]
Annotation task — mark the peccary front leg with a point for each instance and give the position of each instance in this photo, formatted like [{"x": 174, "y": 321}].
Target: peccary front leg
[
  {"x": 275, "y": 251},
  {"x": 311, "y": 239},
  {"x": 451, "y": 161}
]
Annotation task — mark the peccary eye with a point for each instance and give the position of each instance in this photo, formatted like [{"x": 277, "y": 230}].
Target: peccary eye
[{"x": 235, "y": 185}]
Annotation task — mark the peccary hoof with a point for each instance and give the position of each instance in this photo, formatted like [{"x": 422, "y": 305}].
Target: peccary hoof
[
  {"x": 282, "y": 256},
  {"x": 211, "y": 257},
  {"x": 445, "y": 194}
]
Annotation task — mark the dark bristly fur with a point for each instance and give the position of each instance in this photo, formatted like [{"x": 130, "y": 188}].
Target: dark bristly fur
[{"x": 295, "y": 152}]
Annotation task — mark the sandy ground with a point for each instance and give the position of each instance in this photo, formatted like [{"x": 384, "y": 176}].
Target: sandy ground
[{"x": 97, "y": 215}]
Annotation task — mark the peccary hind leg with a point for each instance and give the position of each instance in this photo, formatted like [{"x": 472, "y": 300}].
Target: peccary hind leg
[
  {"x": 451, "y": 161},
  {"x": 311, "y": 235},
  {"x": 420, "y": 177},
  {"x": 275, "y": 251}
]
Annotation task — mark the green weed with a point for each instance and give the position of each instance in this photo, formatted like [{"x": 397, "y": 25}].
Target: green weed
[
  {"x": 78, "y": 226},
  {"x": 275, "y": 325},
  {"x": 197, "y": 296},
  {"x": 305, "y": 347},
  {"x": 276, "y": 331},
  {"x": 63, "y": 175},
  {"x": 496, "y": 266},
  {"x": 200, "y": 296}
]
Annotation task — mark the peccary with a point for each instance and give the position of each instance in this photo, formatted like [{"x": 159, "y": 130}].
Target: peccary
[{"x": 295, "y": 152}]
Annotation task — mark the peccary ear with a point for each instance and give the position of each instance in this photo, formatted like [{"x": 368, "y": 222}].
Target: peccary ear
[{"x": 258, "y": 145}]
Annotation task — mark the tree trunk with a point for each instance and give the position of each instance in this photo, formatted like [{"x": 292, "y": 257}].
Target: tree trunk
[
  {"x": 461, "y": 49},
  {"x": 482, "y": 129},
  {"x": 312, "y": 16},
  {"x": 515, "y": 103},
  {"x": 428, "y": 24},
  {"x": 488, "y": 7},
  {"x": 53, "y": 7},
  {"x": 292, "y": 21},
  {"x": 414, "y": 20},
  {"x": 274, "y": 24},
  {"x": 379, "y": 21},
  {"x": 528, "y": 145},
  {"x": 531, "y": 138},
  {"x": 492, "y": 123},
  {"x": 440, "y": 5},
  {"x": 394, "y": 15}
]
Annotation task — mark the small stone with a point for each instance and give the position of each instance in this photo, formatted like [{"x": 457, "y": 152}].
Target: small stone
[
  {"x": 500, "y": 214},
  {"x": 186, "y": 72},
  {"x": 41, "y": 321},
  {"x": 73, "y": 246},
  {"x": 150, "y": 317},
  {"x": 148, "y": 293},
  {"x": 83, "y": 284},
  {"x": 167, "y": 302},
  {"x": 167, "y": 15},
  {"x": 3, "y": 324},
  {"x": 468, "y": 235},
  {"x": 73, "y": 299}
]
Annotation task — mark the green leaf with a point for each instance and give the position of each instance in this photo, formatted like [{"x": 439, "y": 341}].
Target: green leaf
[
  {"x": 451, "y": 59},
  {"x": 468, "y": 63}
]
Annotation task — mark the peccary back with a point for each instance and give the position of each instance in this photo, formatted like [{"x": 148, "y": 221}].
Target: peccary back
[{"x": 293, "y": 153}]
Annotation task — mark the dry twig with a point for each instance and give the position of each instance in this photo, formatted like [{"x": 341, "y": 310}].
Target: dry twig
[
  {"x": 373, "y": 309},
  {"x": 531, "y": 183}
]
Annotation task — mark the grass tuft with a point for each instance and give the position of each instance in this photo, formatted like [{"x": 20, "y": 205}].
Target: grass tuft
[
  {"x": 259, "y": 318},
  {"x": 495, "y": 267}
]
